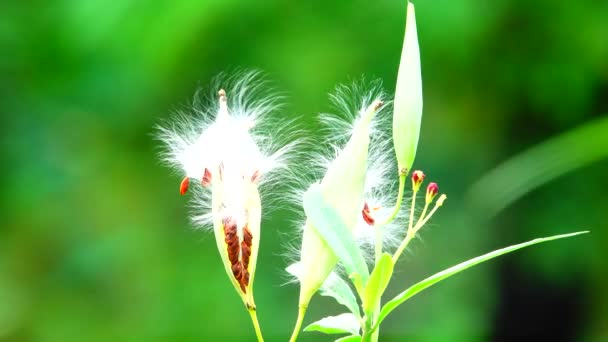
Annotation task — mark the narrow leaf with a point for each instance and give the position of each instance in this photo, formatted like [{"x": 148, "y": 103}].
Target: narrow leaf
[
  {"x": 345, "y": 323},
  {"x": 377, "y": 283},
  {"x": 539, "y": 165},
  {"x": 416, "y": 288},
  {"x": 333, "y": 231}
]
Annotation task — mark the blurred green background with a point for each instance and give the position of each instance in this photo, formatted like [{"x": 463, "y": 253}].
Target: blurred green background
[{"x": 95, "y": 243}]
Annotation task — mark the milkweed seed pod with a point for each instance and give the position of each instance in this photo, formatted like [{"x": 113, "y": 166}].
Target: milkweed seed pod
[
  {"x": 343, "y": 188},
  {"x": 231, "y": 153}
]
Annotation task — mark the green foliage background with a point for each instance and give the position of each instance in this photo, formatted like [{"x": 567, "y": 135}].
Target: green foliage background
[{"x": 95, "y": 244}]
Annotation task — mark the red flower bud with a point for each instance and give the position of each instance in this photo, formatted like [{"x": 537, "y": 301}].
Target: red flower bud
[
  {"x": 431, "y": 191},
  {"x": 417, "y": 179}
]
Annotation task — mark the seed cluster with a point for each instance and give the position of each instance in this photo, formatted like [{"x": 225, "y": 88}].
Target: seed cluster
[{"x": 238, "y": 249}]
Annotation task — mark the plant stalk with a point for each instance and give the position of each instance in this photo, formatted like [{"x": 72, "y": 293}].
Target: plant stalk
[
  {"x": 367, "y": 331},
  {"x": 406, "y": 241},
  {"x": 378, "y": 243},
  {"x": 256, "y": 324},
  {"x": 376, "y": 332},
  {"x": 298, "y": 327},
  {"x": 398, "y": 203},
  {"x": 378, "y": 254}
]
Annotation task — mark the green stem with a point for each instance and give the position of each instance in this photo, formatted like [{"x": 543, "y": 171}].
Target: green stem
[
  {"x": 378, "y": 244},
  {"x": 399, "y": 199},
  {"x": 426, "y": 207},
  {"x": 406, "y": 241},
  {"x": 256, "y": 324},
  {"x": 412, "y": 210},
  {"x": 411, "y": 232},
  {"x": 367, "y": 331},
  {"x": 378, "y": 251},
  {"x": 376, "y": 332},
  {"x": 298, "y": 327},
  {"x": 374, "y": 337},
  {"x": 422, "y": 221}
]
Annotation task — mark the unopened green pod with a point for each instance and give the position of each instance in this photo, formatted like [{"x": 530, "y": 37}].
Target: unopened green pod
[{"x": 407, "y": 113}]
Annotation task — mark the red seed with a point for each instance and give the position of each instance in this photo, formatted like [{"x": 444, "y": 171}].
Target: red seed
[
  {"x": 183, "y": 187},
  {"x": 256, "y": 176},
  {"x": 206, "y": 178},
  {"x": 367, "y": 217}
]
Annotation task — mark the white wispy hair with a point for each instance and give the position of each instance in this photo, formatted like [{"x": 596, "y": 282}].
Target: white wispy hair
[
  {"x": 380, "y": 189},
  {"x": 244, "y": 135},
  {"x": 380, "y": 194},
  {"x": 381, "y": 176}
]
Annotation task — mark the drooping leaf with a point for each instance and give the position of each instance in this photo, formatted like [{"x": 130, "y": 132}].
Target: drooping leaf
[
  {"x": 539, "y": 165},
  {"x": 352, "y": 338},
  {"x": 417, "y": 288},
  {"x": 345, "y": 323},
  {"x": 333, "y": 231},
  {"x": 337, "y": 288},
  {"x": 377, "y": 283},
  {"x": 334, "y": 287}
]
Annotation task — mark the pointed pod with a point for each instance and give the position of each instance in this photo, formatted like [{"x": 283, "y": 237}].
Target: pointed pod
[
  {"x": 236, "y": 209},
  {"x": 407, "y": 113},
  {"x": 236, "y": 226},
  {"x": 342, "y": 188}
]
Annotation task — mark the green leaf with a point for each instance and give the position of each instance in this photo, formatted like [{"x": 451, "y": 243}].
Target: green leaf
[
  {"x": 338, "y": 289},
  {"x": 334, "y": 287},
  {"x": 356, "y": 279},
  {"x": 377, "y": 283},
  {"x": 353, "y": 338},
  {"x": 333, "y": 231},
  {"x": 539, "y": 165},
  {"x": 407, "y": 114},
  {"x": 416, "y": 288},
  {"x": 345, "y": 323}
]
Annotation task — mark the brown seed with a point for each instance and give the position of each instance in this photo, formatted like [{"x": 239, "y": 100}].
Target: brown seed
[
  {"x": 236, "y": 249},
  {"x": 245, "y": 278},
  {"x": 237, "y": 270},
  {"x": 245, "y": 254},
  {"x": 247, "y": 237}
]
